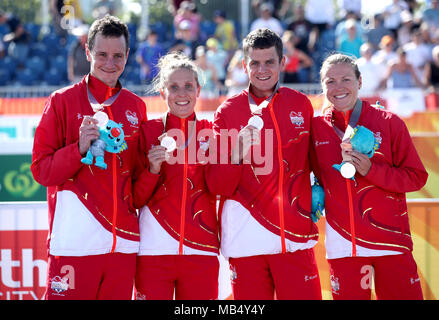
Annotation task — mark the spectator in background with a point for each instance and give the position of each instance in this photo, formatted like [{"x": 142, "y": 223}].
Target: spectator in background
[
  {"x": 266, "y": 20},
  {"x": 174, "y": 5},
  {"x": 225, "y": 33},
  {"x": 77, "y": 64},
  {"x": 237, "y": 78},
  {"x": 207, "y": 77},
  {"x": 431, "y": 71},
  {"x": 405, "y": 30},
  {"x": 418, "y": 53},
  {"x": 350, "y": 42},
  {"x": 2, "y": 49},
  {"x": 18, "y": 37},
  {"x": 320, "y": 13},
  {"x": 147, "y": 55},
  {"x": 413, "y": 5},
  {"x": 386, "y": 53},
  {"x": 377, "y": 31},
  {"x": 392, "y": 15},
  {"x": 371, "y": 71},
  {"x": 340, "y": 28},
  {"x": 57, "y": 15},
  {"x": 297, "y": 63},
  {"x": 280, "y": 7},
  {"x": 427, "y": 36},
  {"x": 61, "y": 9},
  {"x": 431, "y": 15},
  {"x": 187, "y": 12},
  {"x": 400, "y": 73},
  {"x": 353, "y": 6},
  {"x": 104, "y": 7},
  {"x": 303, "y": 29},
  {"x": 185, "y": 43},
  {"x": 217, "y": 57}
]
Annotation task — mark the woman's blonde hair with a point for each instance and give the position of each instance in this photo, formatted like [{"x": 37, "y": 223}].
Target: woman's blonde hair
[{"x": 168, "y": 64}]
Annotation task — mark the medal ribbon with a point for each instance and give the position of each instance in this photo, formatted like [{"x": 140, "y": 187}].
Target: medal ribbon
[
  {"x": 100, "y": 106},
  {"x": 356, "y": 112},
  {"x": 257, "y": 109},
  {"x": 96, "y": 106}
]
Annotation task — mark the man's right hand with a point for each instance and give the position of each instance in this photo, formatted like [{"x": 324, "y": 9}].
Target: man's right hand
[
  {"x": 247, "y": 137},
  {"x": 156, "y": 156},
  {"x": 88, "y": 132}
]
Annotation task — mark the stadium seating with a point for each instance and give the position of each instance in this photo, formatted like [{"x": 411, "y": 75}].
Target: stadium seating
[
  {"x": 162, "y": 31},
  {"x": 9, "y": 64},
  {"x": 37, "y": 65},
  {"x": 33, "y": 29},
  {"x": 59, "y": 63},
  {"x": 39, "y": 49},
  {"x": 26, "y": 77},
  {"x": 53, "y": 77},
  {"x": 5, "y": 77},
  {"x": 52, "y": 42}
]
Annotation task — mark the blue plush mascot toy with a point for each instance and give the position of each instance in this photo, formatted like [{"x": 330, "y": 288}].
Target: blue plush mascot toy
[
  {"x": 362, "y": 140},
  {"x": 317, "y": 201},
  {"x": 112, "y": 139}
]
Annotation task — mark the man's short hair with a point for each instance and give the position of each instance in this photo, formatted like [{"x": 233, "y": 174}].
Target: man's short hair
[
  {"x": 108, "y": 26},
  {"x": 262, "y": 39}
]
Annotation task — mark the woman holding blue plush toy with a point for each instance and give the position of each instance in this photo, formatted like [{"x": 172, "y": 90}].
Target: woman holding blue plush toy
[{"x": 365, "y": 160}]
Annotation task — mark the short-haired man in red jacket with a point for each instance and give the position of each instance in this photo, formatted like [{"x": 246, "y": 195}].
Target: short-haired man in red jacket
[
  {"x": 93, "y": 225},
  {"x": 267, "y": 232}
]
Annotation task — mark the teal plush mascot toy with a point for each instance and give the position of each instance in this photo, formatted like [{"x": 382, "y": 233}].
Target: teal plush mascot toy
[
  {"x": 317, "y": 201},
  {"x": 112, "y": 139},
  {"x": 362, "y": 140}
]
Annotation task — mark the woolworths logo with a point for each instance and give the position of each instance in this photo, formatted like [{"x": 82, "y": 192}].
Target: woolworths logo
[{"x": 20, "y": 183}]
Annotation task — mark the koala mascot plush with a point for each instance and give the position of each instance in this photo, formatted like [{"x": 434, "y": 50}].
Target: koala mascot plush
[{"x": 112, "y": 139}]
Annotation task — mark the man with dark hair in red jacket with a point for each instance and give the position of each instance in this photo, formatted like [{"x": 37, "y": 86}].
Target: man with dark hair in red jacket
[
  {"x": 93, "y": 225},
  {"x": 267, "y": 232}
]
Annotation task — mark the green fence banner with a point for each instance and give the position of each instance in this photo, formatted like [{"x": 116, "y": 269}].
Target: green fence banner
[{"x": 16, "y": 181}]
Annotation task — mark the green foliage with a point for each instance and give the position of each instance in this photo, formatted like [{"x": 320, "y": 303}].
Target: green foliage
[{"x": 27, "y": 11}]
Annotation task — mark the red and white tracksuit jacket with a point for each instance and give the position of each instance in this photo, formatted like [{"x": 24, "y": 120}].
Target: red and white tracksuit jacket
[
  {"x": 90, "y": 210},
  {"x": 178, "y": 214},
  {"x": 376, "y": 203},
  {"x": 269, "y": 212}
]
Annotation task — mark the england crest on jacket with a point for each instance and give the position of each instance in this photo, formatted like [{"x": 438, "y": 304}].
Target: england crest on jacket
[
  {"x": 296, "y": 118},
  {"x": 132, "y": 118}
]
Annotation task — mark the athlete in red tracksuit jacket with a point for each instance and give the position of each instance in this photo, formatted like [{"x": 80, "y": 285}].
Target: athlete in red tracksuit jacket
[
  {"x": 93, "y": 225},
  {"x": 179, "y": 244},
  {"x": 266, "y": 230},
  {"x": 367, "y": 226}
]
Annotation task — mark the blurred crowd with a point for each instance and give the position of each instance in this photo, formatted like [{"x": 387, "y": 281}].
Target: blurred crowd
[{"x": 396, "y": 48}]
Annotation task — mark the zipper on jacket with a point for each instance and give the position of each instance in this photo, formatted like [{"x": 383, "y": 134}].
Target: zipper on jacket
[
  {"x": 184, "y": 195},
  {"x": 115, "y": 204},
  {"x": 281, "y": 176},
  {"x": 350, "y": 203}
]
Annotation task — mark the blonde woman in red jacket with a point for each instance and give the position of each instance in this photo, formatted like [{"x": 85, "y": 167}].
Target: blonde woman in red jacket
[
  {"x": 179, "y": 243},
  {"x": 367, "y": 228}
]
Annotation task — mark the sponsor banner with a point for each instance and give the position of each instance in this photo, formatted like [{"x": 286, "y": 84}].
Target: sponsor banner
[
  {"x": 16, "y": 180},
  {"x": 23, "y": 254}
]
